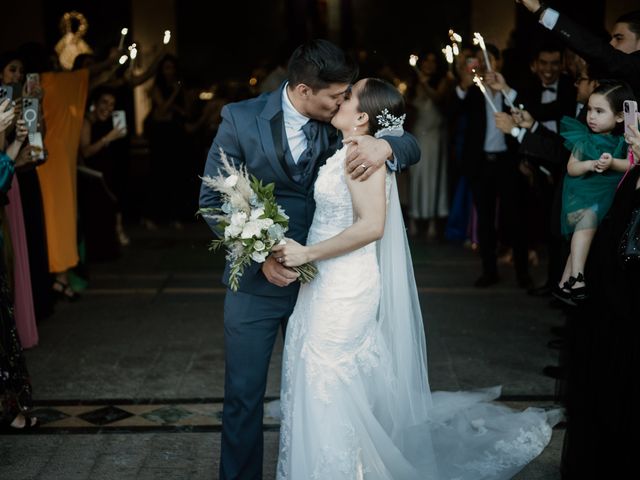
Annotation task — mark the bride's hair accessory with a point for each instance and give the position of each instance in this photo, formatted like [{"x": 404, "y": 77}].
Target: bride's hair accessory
[{"x": 390, "y": 124}]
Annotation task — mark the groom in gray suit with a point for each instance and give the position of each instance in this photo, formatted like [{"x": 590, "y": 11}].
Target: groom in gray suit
[{"x": 281, "y": 137}]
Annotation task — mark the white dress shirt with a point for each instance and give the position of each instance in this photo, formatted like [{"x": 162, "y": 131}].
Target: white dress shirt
[
  {"x": 293, "y": 123},
  {"x": 550, "y": 97},
  {"x": 494, "y": 139}
]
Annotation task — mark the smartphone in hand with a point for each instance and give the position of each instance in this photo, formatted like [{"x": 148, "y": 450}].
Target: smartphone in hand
[
  {"x": 32, "y": 83},
  {"x": 630, "y": 115},
  {"x": 30, "y": 112},
  {"x": 6, "y": 91},
  {"x": 119, "y": 118}
]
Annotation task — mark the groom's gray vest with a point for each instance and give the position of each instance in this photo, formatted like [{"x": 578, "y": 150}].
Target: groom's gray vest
[{"x": 252, "y": 132}]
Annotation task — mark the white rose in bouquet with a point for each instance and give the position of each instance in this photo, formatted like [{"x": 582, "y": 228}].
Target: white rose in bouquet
[
  {"x": 257, "y": 213},
  {"x": 231, "y": 181},
  {"x": 232, "y": 231},
  {"x": 239, "y": 219},
  {"x": 251, "y": 229},
  {"x": 259, "y": 257}
]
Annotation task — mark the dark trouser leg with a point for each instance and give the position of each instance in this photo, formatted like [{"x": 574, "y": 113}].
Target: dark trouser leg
[
  {"x": 513, "y": 201},
  {"x": 558, "y": 250},
  {"x": 251, "y": 324},
  {"x": 484, "y": 196}
]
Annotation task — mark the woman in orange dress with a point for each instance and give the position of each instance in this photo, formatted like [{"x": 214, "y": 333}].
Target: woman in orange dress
[{"x": 65, "y": 96}]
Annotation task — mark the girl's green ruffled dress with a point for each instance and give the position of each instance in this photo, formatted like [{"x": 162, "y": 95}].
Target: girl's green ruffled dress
[{"x": 586, "y": 199}]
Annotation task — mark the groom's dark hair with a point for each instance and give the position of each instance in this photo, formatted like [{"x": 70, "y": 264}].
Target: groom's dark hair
[{"x": 319, "y": 63}]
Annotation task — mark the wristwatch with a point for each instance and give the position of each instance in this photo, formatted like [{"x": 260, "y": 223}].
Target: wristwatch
[{"x": 541, "y": 9}]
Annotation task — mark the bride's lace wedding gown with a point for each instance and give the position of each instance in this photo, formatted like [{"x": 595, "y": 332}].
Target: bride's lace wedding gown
[{"x": 342, "y": 414}]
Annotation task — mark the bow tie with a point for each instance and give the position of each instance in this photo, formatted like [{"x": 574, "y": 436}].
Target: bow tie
[{"x": 549, "y": 89}]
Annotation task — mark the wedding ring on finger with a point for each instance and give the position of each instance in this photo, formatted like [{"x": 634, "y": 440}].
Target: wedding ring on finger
[{"x": 364, "y": 167}]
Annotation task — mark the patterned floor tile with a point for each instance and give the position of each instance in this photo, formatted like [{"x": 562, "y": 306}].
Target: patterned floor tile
[
  {"x": 71, "y": 422},
  {"x": 105, "y": 415},
  {"x": 134, "y": 421},
  {"x": 169, "y": 414},
  {"x": 138, "y": 409},
  {"x": 48, "y": 415}
]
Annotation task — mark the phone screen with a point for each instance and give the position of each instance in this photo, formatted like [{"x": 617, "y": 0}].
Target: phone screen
[
  {"x": 32, "y": 82},
  {"x": 630, "y": 114},
  {"x": 119, "y": 119}
]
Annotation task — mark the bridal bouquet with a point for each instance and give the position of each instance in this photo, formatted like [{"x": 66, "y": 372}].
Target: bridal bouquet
[{"x": 249, "y": 223}]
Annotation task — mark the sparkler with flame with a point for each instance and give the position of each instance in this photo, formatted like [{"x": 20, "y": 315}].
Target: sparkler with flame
[
  {"x": 478, "y": 81},
  {"x": 123, "y": 34}
]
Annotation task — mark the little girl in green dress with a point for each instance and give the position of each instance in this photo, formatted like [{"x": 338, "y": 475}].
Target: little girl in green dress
[{"x": 596, "y": 166}]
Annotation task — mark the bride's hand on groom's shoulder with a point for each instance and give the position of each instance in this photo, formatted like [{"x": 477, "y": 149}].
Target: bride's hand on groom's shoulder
[
  {"x": 291, "y": 254},
  {"x": 276, "y": 273},
  {"x": 365, "y": 155}
]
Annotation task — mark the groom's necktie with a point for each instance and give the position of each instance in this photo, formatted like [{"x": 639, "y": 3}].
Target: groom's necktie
[{"x": 311, "y": 130}]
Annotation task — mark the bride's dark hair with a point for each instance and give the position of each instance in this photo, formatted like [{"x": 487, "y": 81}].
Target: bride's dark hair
[{"x": 375, "y": 96}]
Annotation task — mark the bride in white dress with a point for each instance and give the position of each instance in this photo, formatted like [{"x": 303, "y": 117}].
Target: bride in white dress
[{"x": 355, "y": 398}]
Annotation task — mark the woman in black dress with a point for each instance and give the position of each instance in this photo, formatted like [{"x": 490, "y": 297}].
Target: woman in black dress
[
  {"x": 604, "y": 370},
  {"x": 99, "y": 208}
]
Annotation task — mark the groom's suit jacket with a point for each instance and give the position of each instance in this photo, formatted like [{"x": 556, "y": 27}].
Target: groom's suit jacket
[{"x": 252, "y": 134}]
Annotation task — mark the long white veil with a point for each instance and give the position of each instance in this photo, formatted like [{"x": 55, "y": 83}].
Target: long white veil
[
  {"x": 400, "y": 317},
  {"x": 444, "y": 435}
]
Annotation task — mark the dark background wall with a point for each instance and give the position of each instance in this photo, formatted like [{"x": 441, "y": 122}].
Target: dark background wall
[{"x": 221, "y": 39}]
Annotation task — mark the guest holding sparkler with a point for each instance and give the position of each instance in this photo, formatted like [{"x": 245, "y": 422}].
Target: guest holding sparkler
[
  {"x": 429, "y": 202},
  {"x": 489, "y": 163}
]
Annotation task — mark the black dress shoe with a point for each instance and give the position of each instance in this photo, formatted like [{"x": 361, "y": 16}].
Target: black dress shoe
[
  {"x": 559, "y": 373},
  {"x": 486, "y": 280},
  {"x": 563, "y": 295},
  {"x": 541, "y": 291},
  {"x": 579, "y": 294}
]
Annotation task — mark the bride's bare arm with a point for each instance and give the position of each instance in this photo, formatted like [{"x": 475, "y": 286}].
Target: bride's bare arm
[{"x": 369, "y": 209}]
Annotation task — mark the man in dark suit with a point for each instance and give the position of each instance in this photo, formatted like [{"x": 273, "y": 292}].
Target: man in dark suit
[
  {"x": 551, "y": 96},
  {"x": 618, "y": 59},
  {"x": 281, "y": 137},
  {"x": 544, "y": 149},
  {"x": 489, "y": 161}
]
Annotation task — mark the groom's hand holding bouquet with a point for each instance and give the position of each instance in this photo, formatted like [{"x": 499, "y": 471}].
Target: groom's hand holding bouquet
[{"x": 249, "y": 223}]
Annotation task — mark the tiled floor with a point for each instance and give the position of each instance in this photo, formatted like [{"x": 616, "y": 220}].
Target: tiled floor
[
  {"x": 128, "y": 381},
  {"x": 122, "y": 417}
]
